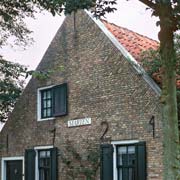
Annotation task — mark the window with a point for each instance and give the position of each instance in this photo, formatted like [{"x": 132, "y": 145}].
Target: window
[
  {"x": 126, "y": 161},
  {"x": 123, "y": 161},
  {"x": 52, "y": 101},
  {"x": 41, "y": 164},
  {"x": 44, "y": 164},
  {"x": 46, "y": 103}
]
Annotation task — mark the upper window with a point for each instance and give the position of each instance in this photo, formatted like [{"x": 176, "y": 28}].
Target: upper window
[{"x": 52, "y": 101}]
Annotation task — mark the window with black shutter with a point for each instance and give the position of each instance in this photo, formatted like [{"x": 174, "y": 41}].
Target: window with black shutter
[
  {"x": 123, "y": 161},
  {"x": 45, "y": 167},
  {"x": 52, "y": 101}
]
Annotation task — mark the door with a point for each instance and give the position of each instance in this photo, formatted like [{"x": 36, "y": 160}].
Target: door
[{"x": 14, "y": 170}]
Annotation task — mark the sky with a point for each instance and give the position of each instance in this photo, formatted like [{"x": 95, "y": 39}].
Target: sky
[{"x": 131, "y": 14}]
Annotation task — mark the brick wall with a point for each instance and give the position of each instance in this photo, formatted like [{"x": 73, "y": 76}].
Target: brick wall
[{"x": 102, "y": 85}]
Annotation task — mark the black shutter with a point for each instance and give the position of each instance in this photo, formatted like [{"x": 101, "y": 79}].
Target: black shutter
[
  {"x": 30, "y": 155},
  {"x": 106, "y": 162},
  {"x": 141, "y": 160},
  {"x": 54, "y": 164},
  {"x": 60, "y": 100}
]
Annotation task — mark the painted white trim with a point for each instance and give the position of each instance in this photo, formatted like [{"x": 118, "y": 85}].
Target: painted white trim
[
  {"x": 126, "y": 54},
  {"x": 36, "y": 165},
  {"x": 46, "y": 119},
  {"x": 125, "y": 142},
  {"x": 39, "y": 104},
  {"x": 43, "y": 147},
  {"x": 3, "y": 165},
  {"x": 114, "y": 163},
  {"x": 115, "y": 144}
]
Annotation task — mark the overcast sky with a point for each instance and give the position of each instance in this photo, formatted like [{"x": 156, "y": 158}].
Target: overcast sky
[{"x": 131, "y": 14}]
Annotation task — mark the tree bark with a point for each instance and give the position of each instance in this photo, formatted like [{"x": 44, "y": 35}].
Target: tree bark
[{"x": 168, "y": 98}]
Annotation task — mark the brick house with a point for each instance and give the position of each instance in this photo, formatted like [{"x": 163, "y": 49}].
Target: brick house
[{"x": 97, "y": 114}]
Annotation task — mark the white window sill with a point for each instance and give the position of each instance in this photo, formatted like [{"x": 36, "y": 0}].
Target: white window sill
[{"x": 46, "y": 119}]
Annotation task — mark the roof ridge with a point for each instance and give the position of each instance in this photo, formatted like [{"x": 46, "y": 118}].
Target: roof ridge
[{"x": 130, "y": 30}]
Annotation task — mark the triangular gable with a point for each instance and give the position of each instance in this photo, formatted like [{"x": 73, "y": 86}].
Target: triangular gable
[{"x": 53, "y": 50}]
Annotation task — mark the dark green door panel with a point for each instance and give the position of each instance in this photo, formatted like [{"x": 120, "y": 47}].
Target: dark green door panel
[{"x": 14, "y": 170}]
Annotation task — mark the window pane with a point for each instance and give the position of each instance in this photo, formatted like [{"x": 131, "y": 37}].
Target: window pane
[
  {"x": 121, "y": 155},
  {"x": 41, "y": 163},
  {"x": 41, "y": 174},
  {"x": 122, "y": 150},
  {"x": 131, "y": 155},
  {"x": 48, "y": 95},
  {"x": 47, "y": 177},
  {"x": 47, "y": 163},
  {"x": 48, "y": 113},
  {"x": 44, "y": 113},
  {"x": 131, "y": 159},
  {"x": 131, "y": 174},
  {"x": 48, "y": 153},
  {"x": 44, "y": 94},
  {"x": 120, "y": 174},
  {"x": 48, "y": 103},
  {"x": 125, "y": 174},
  {"x": 42, "y": 154},
  {"x": 44, "y": 104},
  {"x": 131, "y": 149}
]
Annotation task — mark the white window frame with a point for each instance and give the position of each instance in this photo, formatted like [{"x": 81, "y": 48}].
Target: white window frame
[
  {"x": 39, "y": 104},
  {"x": 37, "y": 148},
  {"x": 4, "y": 163},
  {"x": 115, "y": 144}
]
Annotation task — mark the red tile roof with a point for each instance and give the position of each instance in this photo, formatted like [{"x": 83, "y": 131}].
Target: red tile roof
[{"x": 134, "y": 43}]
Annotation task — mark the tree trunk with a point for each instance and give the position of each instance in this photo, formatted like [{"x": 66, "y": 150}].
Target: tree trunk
[{"x": 169, "y": 100}]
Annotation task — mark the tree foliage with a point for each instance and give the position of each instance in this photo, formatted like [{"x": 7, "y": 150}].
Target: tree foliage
[
  {"x": 13, "y": 12},
  {"x": 11, "y": 83},
  {"x": 151, "y": 61}
]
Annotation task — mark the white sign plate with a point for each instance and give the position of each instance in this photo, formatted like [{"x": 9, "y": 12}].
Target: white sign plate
[{"x": 79, "y": 122}]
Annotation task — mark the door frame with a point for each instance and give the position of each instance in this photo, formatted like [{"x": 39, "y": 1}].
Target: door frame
[{"x": 4, "y": 163}]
